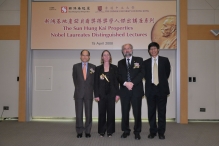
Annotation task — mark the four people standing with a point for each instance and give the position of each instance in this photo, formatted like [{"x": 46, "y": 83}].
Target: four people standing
[
  {"x": 106, "y": 91},
  {"x": 129, "y": 74}
]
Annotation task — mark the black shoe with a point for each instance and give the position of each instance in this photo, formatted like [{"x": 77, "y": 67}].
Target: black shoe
[
  {"x": 125, "y": 134},
  {"x": 87, "y": 135},
  {"x": 137, "y": 136},
  {"x": 151, "y": 135},
  {"x": 79, "y": 135},
  {"x": 102, "y": 134},
  {"x": 161, "y": 136},
  {"x": 109, "y": 134}
]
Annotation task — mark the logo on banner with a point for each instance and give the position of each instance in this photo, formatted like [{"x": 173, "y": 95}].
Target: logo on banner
[
  {"x": 64, "y": 9},
  {"x": 99, "y": 8}
]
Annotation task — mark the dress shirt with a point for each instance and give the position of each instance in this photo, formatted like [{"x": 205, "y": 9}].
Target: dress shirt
[{"x": 130, "y": 60}]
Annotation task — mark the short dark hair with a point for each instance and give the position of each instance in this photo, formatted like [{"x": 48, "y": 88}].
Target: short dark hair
[
  {"x": 153, "y": 44},
  {"x": 85, "y": 50}
]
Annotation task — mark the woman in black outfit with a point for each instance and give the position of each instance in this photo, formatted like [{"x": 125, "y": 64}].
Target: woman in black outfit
[{"x": 106, "y": 88}]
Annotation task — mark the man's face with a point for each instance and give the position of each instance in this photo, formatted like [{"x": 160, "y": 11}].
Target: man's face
[
  {"x": 166, "y": 29},
  {"x": 85, "y": 56},
  {"x": 153, "y": 51},
  {"x": 127, "y": 51}
]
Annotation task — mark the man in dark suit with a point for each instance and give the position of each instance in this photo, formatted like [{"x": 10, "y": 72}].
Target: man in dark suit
[
  {"x": 157, "y": 72},
  {"x": 130, "y": 74},
  {"x": 83, "y": 77}
]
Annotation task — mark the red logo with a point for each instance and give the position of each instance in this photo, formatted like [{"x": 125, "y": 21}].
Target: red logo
[
  {"x": 99, "y": 8},
  {"x": 64, "y": 9}
]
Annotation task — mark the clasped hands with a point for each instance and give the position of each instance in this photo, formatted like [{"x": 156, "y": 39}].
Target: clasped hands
[
  {"x": 98, "y": 98},
  {"x": 129, "y": 85}
]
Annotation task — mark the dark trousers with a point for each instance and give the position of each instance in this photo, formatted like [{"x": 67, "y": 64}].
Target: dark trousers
[
  {"x": 106, "y": 116},
  {"x": 126, "y": 103},
  {"x": 158, "y": 102},
  {"x": 79, "y": 115}
]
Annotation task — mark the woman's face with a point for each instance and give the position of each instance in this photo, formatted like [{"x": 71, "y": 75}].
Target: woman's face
[{"x": 106, "y": 57}]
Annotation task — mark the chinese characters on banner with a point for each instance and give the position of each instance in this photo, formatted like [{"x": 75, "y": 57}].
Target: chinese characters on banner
[{"x": 98, "y": 25}]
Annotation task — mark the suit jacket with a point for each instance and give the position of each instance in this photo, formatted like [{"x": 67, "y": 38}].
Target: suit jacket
[
  {"x": 136, "y": 74},
  {"x": 83, "y": 88},
  {"x": 163, "y": 75},
  {"x": 99, "y": 84}
]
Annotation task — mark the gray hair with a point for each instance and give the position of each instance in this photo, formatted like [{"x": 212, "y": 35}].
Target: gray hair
[{"x": 127, "y": 44}]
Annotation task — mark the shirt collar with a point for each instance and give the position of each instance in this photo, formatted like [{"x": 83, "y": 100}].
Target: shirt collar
[
  {"x": 83, "y": 63},
  {"x": 155, "y": 57},
  {"x": 130, "y": 58}
]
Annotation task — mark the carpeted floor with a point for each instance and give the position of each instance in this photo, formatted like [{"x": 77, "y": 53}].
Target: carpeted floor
[{"x": 13, "y": 133}]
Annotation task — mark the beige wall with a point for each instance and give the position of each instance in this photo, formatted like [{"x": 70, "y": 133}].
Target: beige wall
[
  {"x": 59, "y": 101},
  {"x": 201, "y": 15},
  {"x": 203, "y": 64},
  {"x": 22, "y": 70},
  {"x": 9, "y": 56},
  {"x": 9, "y": 12}
]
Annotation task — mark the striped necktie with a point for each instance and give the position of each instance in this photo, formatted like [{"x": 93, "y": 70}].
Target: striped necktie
[{"x": 128, "y": 73}]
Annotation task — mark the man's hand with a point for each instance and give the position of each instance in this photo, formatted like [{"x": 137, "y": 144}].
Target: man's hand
[
  {"x": 129, "y": 85},
  {"x": 117, "y": 98},
  {"x": 97, "y": 99}
]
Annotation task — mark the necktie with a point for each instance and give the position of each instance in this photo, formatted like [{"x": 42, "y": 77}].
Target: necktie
[
  {"x": 155, "y": 73},
  {"x": 84, "y": 71},
  {"x": 128, "y": 73}
]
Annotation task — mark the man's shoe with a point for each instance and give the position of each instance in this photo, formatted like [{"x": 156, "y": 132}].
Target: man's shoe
[
  {"x": 79, "y": 135},
  {"x": 151, "y": 135},
  {"x": 161, "y": 136},
  {"x": 87, "y": 135},
  {"x": 137, "y": 136},
  {"x": 125, "y": 134}
]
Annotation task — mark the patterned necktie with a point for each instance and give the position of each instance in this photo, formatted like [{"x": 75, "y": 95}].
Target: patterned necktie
[
  {"x": 155, "y": 73},
  {"x": 84, "y": 71},
  {"x": 128, "y": 73}
]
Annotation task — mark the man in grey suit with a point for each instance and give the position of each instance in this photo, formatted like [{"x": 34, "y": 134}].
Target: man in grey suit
[{"x": 83, "y": 77}]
